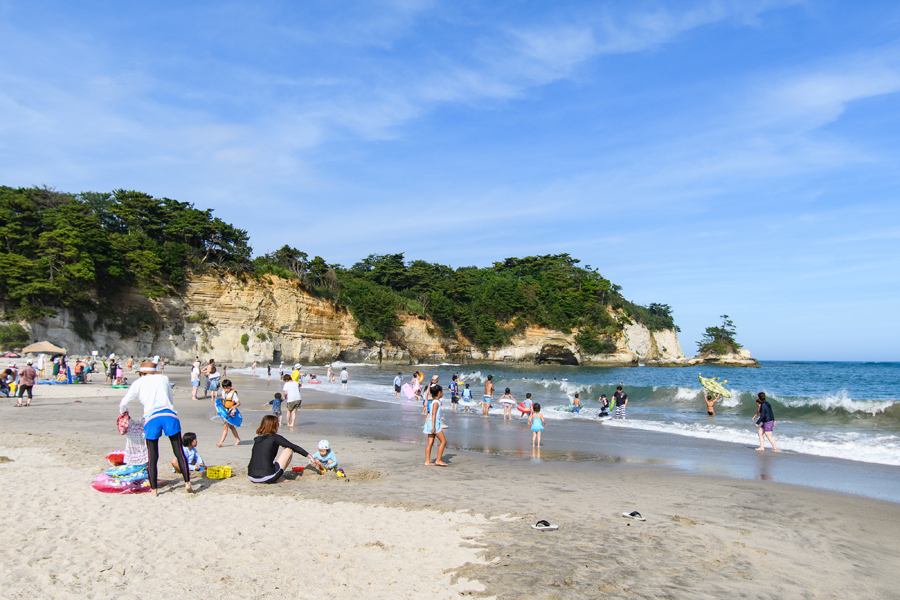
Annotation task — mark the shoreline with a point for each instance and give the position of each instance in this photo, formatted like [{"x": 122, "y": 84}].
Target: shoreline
[{"x": 705, "y": 535}]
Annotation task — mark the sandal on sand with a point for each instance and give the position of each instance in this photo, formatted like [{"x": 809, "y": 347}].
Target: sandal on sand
[
  {"x": 544, "y": 526},
  {"x": 634, "y": 515}
]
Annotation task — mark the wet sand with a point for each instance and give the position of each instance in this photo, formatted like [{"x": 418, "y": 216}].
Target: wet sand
[{"x": 395, "y": 528}]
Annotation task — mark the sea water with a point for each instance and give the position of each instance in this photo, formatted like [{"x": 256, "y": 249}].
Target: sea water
[{"x": 831, "y": 409}]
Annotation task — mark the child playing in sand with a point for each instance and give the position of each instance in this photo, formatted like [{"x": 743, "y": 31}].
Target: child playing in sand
[
  {"x": 276, "y": 406},
  {"x": 536, "y": 420},
  {"x": 227, "y": 408},
  {"x": 467, "y": 397},
  {"x": 508, "y": 402},
  {"x": 326, "y": 458},
  {"x": 193, "y": 458}
]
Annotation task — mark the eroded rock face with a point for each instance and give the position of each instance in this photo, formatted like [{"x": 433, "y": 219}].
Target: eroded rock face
[
  {"x": 272, "y": 319},
  {"x": 556, "y": 355}
]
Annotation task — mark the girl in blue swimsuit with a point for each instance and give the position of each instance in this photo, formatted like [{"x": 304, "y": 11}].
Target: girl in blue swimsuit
[
  {"x": 433, "y": 427},
  {"x": 536, "y": 420}
]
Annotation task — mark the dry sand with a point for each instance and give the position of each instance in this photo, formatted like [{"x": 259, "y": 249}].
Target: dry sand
[{"x": 396, "y": 529}]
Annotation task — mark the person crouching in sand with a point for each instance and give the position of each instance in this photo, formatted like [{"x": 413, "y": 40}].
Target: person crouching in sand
[
  {"x": 433, "y": 427},
  {"x": 267, "y": 464}
]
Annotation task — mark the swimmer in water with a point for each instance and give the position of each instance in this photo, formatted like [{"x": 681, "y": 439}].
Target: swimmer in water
[{"x": 711, "y": 404}]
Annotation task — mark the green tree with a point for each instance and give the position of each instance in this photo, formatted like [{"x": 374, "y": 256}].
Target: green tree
[
  {"x": 720, "y": 340},
  {"x": 13, "y": 337}
]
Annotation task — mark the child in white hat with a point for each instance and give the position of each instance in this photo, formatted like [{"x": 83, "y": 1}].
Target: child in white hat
[{"x": 326, "y": 456}]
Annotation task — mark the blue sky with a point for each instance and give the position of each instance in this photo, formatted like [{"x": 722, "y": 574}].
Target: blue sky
[{"x": 722, "y": 157}]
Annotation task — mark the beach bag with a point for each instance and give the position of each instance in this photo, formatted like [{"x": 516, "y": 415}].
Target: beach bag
[{"x": 122, "y": 423}]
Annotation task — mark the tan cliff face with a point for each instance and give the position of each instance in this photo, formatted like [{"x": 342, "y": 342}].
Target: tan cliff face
[{"x": 280, "y": 321}]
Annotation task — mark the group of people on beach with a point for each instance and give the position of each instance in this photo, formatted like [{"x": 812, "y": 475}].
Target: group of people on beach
[
  {"x": 271, "y": 453},
  {"x": 615, "y": 408}
]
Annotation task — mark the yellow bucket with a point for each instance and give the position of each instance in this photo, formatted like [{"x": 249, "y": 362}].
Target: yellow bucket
[{"x": 218, "y": 472}]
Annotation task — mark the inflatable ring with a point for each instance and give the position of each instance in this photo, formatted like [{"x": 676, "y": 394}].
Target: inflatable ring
[{"x": 108, "y": 485}]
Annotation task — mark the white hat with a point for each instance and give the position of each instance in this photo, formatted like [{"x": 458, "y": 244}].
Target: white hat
[
  {"x": 298, "y": 366},
  {"x": 28, "y": 362},
  {"x": 324, "y": 445}
]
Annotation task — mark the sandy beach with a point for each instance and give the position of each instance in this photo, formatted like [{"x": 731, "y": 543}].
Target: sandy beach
[{"x": 396, "y": 529}]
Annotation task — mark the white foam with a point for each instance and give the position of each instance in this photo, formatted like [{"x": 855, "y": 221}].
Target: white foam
[
  {"x": 881, "y": 449},
  {"x": 686, "y": 393},
  {"x": 840, "y": 400}
]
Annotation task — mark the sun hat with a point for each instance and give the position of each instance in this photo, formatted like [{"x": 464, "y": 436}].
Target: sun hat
[
  {"x": 147, "y": 367},
  {"x": 324, "y": 445},
  {"x": 298, "y": 366},
  {"x": 28, "y": 362}
]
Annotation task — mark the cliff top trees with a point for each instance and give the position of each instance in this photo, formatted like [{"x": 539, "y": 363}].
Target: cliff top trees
[
  {"x": 61, "y": 249},
  {"x": 65, "y": 250}
]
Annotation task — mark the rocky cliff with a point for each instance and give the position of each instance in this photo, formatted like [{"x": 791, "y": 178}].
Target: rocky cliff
[{"x": 272, "y": 319}]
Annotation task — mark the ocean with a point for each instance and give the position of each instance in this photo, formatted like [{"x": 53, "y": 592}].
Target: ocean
[{"x": 831, "y": 409}]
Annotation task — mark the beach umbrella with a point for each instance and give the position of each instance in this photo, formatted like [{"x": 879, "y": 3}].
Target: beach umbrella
[{"x": 46, "y": 347}]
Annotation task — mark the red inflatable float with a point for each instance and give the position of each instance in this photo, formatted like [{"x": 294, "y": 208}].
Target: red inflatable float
[
  {"x": 116, "y": 458},
  {"x": 109, "y": 485}
]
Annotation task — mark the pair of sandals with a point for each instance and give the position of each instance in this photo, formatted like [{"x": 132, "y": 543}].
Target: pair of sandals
[
  {"x": 546, "y": 526},
  {"x": 19, "y": 405}
]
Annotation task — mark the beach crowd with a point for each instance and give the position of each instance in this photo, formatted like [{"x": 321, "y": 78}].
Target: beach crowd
[{"x": 272, "y": 453}]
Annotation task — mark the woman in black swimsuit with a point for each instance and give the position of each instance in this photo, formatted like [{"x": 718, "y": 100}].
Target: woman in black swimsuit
[{"x": 267, "y": 464}]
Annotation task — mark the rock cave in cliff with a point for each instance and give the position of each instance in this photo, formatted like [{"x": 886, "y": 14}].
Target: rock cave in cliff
[{"x": 556, "y": 355}]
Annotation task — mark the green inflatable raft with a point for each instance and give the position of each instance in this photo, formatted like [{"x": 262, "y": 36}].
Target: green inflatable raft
[{"x": 712, "y": 384}]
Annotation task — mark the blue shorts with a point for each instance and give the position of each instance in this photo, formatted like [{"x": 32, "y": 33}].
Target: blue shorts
[
  {"x": 163, "y": 422},
  {"x": 195, "y": 383}
]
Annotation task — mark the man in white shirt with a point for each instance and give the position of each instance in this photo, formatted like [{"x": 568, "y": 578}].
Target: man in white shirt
[
  {"x": 344, "y": 378},
  {"x": 398, "y": 384},
  {"x": 292, "y": 398},
  {"x": 154, "y": 392}
]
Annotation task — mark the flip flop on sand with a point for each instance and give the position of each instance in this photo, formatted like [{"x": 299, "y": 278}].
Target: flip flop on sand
[
  {"x": 634, "y": 515},
  {"x": 544, "y": 526}
]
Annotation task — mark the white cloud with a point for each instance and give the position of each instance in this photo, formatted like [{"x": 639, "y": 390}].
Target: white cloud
[{"x": 639, "y": 30}]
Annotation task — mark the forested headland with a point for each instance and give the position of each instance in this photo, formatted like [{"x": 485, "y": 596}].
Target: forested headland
[{"x": 79, "y": 251}]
